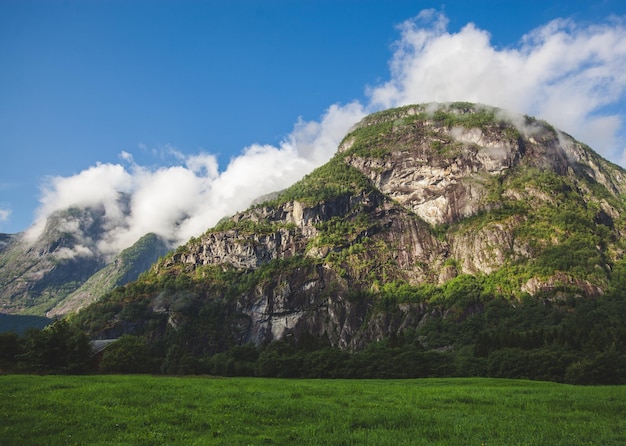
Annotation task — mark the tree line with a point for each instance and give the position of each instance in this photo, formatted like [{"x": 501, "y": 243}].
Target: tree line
[{"x": 575, "y": 340}]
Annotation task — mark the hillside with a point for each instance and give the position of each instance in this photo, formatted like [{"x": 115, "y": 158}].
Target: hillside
[
  {"x": 428, "y": 218},
  {"x": 125, "y": 267},
  {"x": 36, "y": 274},
  {"x": 63, "y": 269}
]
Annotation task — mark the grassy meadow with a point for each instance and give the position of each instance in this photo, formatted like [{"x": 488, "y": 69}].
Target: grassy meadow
[{"x": 146, "y": 410}]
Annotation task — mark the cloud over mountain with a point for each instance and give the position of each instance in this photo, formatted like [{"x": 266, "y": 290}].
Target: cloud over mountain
[
  {"x": 181, "y": 201},
  {"x": 571, "y": 75},
  {"x": 567, "y": 74}
]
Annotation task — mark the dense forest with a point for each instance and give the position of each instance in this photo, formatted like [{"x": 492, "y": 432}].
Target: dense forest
[{"x": 571, "y": 340}]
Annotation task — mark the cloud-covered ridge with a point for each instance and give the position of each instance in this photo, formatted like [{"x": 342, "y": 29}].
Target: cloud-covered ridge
[{"x": 569, "y": 75}]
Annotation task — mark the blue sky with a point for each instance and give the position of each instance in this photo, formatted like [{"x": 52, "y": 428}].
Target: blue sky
[{"x": 193, "y": 108}]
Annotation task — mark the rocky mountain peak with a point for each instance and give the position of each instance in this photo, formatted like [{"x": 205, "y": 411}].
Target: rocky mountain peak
[
  {"x": 425, "y": 213},
  {"x": 440, "y": 160},
  {"x": 422, "y": 207}
]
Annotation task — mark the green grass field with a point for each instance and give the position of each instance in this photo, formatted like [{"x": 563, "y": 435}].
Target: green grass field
[{"x": 144, "y": 410}]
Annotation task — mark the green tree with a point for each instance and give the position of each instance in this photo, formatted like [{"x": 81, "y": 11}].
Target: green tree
[
  {"x": 608, "y": 367},
  {"x": 129, "y": 354},
  {"x": 11, "y": 348},
  {"x": 58, "y": 348}
]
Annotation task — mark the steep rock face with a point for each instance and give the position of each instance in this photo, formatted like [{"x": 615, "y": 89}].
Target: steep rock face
[
  {"x": 557, "y": 282},
  {"x": 419, "y": 196},
  {"x": 486, "y": 249},
  {"x": 317, "y": 299},
  {"x": 314, "y": 298},
  {"x": 241, "y": 250},
  {"x": 437, "y": 182},
  {"x": 442, "y": 170}
]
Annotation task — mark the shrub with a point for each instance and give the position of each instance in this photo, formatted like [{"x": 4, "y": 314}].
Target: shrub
[{"x": 129, "y": 354}]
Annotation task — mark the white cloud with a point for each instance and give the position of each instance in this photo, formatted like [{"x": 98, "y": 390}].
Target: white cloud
[
  {"x": 76, "y": 251},
  {"x": 5, "y": 213},
  {"x": 100, "y": 185},
  {"x": 561, "y": 72},
  {"x": 182, "y": 201}
]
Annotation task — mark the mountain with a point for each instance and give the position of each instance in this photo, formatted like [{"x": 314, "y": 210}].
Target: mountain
[
  {"x": 35, "y": 274},
  {"x": 125, "y": 267},
  {"x": 63, "y": 268},
  {"x": 457, "y": 227}
]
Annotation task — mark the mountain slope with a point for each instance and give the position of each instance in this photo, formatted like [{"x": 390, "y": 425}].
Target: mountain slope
[
  {"x": 53, "y": 273},
  {"x": 425, "y": 213},
  {"x": 126, "y": 267},
  {"x": 35, "y": 274}
]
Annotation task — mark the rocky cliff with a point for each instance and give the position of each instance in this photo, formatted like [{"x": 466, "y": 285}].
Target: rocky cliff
[{"x": 424, "y": 212}]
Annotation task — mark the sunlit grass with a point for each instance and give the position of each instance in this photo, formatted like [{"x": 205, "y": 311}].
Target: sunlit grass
[{"x": 138, "y": 410}]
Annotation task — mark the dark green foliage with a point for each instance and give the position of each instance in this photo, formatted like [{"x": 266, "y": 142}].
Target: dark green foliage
[
  {"x": 396, "y": 357},
  {"x": 577, "y": 341},
  {"x": 279, "y": 359},
  {"x": 129, "y": 354},
  {"x": 605, "y": 367},
  {"x": 58, "y": 348},
  {"x": 11, "y": 348},
  {"x": 466, "y": 331},
  {"x": 538, "y": 364},
  {"x": 532, "y": 340},
  {"x": 238, "y": 361}
]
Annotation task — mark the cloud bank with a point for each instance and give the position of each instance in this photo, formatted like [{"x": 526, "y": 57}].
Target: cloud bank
[
  {"x": 569, "y": 75},
  {"x": 181, "y": 201}
]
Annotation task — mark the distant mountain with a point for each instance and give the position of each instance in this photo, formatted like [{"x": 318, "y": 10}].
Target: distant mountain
[
  {"x": 64, "y": 262},
  {"x": 426, "y": 214},
  {"x": 37, "y": 274},
  {"x": 126, "y": 267},
  {"x": 5, "y": 239}
]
